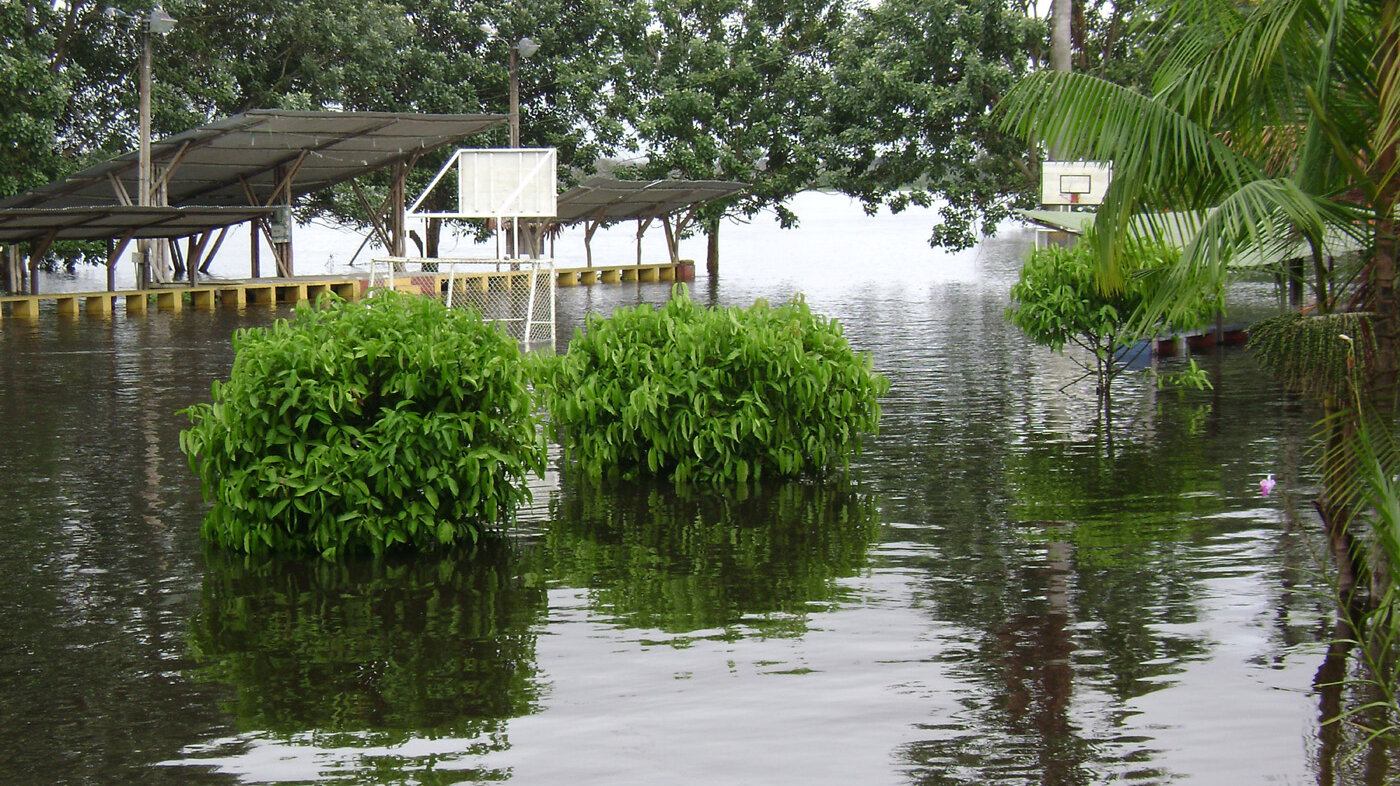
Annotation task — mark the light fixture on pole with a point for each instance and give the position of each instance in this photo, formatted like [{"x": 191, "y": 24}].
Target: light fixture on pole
[
  {"x": 160, "y": 23},
  {"x": 522, "y": 48}
]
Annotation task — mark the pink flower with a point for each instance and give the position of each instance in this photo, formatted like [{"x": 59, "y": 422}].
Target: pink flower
[{"x": 1266, "y": 485}]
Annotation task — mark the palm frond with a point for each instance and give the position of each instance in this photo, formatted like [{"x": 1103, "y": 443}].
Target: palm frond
[
  {"x": 1162, "y": 159},
  {"x": 1263, "y": 223}
]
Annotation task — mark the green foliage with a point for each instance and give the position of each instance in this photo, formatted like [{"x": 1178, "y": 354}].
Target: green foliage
[
  {"x": 1058, "y": 302},
  {"x": 32, "y": 95},
  {"x": 913, "y": 84},
  {"x": 1314, "y": 355},
  {"x": 1270, "y": 123},
  {"x": 1192, "y": 377},
  {"x": 736, "y": 91},
  {"x": 362, "y": 427},
  {"x": 374, "y": 652},
  {"x": 693, "y": 393},
  {"x": 681, "y": 560}
]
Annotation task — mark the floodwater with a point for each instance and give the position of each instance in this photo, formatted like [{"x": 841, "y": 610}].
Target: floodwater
[{"x": 996, "y": 594}]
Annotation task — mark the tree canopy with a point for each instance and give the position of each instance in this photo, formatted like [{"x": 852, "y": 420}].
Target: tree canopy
[
  {"x": 887, "y": 102},
  {"x": 914, "y": 83},
  {"x": 1269, "y": 124}
]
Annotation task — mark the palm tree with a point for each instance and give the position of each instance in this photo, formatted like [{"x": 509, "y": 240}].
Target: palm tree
[{"x": 1270, "y": 125}]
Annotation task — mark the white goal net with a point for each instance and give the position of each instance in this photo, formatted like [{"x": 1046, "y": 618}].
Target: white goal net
[{"x": 517, "y": 294}]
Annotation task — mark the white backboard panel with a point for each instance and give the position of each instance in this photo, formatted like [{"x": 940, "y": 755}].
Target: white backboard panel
[
  {"x": 508, "y": 182},
  {"x": 1074, "y": 182}
]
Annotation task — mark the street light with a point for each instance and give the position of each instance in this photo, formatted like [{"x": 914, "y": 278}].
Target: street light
[
  {"x": 160, "y": 23},
  {"x": 524, "y": 48}
]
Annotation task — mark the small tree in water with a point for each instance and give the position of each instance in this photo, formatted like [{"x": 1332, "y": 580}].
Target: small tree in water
[{"x": 1057, "y": 302}]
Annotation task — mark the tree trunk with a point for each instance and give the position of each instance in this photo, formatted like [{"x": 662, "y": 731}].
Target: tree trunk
[
  {"x": 432, "y": 238},
  {"x": 712, "y": 247},
  {"x": 1079, "y": 30},
  {"x": 1385, "y": 312},
  {"x": 1061, "y": 35},
  {"x": 1338, "y": 471},
  {"x": 1061, "y": 51},
  {"x": 1384, "y": 306}
]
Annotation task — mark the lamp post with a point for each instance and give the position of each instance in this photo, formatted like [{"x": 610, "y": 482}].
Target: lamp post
[
  {"x": 159, "y": 23},
  {"x": 522, "y": 48}
]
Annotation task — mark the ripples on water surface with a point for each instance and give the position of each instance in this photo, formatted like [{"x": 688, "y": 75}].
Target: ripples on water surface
[{"x": 997, "y": 595}]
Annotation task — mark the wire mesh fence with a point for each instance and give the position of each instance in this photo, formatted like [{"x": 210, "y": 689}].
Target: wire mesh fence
[{"x": 517, "y": 294}]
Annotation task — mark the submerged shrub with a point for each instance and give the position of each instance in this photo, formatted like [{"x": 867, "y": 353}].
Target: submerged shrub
[
  {"x": 364, "y": 427},
  {"x": 688, "y": 392}
]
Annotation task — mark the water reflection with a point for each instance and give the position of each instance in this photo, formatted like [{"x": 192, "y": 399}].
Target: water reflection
[
  {"x": 1034, "y": 607},
  {"x": 1124, "y": 604},
  {"x": 362, "y": 665},
  {"x": 681, "y": 561}
]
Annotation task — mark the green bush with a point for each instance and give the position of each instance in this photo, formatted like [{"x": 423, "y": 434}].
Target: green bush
[
  {"x": 692, "y": 393},
  {"x": 1057, "y": 302},
  {"x": 365, "y": 427}
]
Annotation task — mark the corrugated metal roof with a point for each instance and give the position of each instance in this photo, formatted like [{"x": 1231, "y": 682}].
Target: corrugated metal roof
[
  {"x": 1179, "y": 228},
  {"x": 216, "y": 160},
  {"x": 607, "y": 199},
  {"x": 98, "y": 223}
]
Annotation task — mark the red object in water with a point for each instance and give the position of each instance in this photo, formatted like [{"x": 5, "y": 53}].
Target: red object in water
[{"x": 1201, "y": 342}]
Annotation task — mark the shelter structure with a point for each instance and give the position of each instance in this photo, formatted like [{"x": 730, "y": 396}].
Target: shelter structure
[
  {"x": 261, "y": 160},
  {"x": 118, "y": 225},
  {"x": 1180, "y": 228},
  {"x": 600, "y": 201}
]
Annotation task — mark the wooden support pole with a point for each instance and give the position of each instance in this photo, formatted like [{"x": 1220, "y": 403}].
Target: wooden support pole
[
  {"x": 14, "y": 272},
  {"x": 115, "y": 255},
  {"x": 396, "y": 208},
  {"x": 376, "y": 222},
  {"x": 282, "y": 249},
  {"x": 218, "y": 242},
  {"x": 196, "y": 253},
  {"x": 254, "y": 260},
  {"x": 37, "y": 250}
]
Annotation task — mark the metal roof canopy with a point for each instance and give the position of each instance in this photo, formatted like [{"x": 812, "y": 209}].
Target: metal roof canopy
[
  {"x": 18, "y": 225},
  {"x": 1181, "y": 228},
  {"x": 244, "y": 158},
  {"x": 606, "y": 200}
]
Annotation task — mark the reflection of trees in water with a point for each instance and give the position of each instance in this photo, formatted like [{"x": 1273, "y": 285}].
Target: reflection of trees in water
[
  {"x": 1091, "y": 598},
  {"x": 1345, "y": 752},
  {"x": 682, "y": 561},
  {"x": 434, "y": 646}
]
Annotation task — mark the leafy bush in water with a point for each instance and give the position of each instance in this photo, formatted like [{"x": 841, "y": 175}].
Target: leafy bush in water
[
  {"x": 688, "y": 392},
  {"x": 1058, "y": 302},
  {"x": 362, "y": 427}
]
